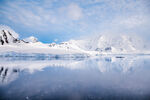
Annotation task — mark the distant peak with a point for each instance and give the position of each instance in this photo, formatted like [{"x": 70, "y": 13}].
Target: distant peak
[{"x": 31, "y": 39}]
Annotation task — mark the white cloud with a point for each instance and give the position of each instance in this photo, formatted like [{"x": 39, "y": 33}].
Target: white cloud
[
  {"x": 34, "y": 15},
  {"x": 133, "y": 21},
  {"x": 74, "y": 12},
  {"x": 87, "y": 16}
]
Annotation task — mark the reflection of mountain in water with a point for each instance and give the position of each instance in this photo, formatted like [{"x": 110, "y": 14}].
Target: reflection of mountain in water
[
  {"x": 7, "y": 75},
  {"x": 9, "y": 70}
]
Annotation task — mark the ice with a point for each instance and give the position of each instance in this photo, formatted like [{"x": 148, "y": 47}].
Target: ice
[{"x": 100, "y": 45}]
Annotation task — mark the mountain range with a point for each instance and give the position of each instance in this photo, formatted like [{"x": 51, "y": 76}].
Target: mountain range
[{"x": 102, "y": 44}]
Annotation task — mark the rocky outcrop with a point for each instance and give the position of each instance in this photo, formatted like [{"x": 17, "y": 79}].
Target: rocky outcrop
[{"x": 6, "y": 37}]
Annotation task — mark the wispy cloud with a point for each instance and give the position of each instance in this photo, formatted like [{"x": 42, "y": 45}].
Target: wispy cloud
[{"x": 82, "y": 16}]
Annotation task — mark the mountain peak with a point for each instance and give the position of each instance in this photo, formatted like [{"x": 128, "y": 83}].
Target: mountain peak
[
  {"x": 7, "y": 28},
  {"x": 31, "y": 39},
  {"x": 8, "y": 36}
]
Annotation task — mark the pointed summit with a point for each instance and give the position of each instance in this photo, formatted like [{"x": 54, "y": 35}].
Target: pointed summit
[
  {"x": 8, "y": 36},
  {"x": 31, "y": 39}
]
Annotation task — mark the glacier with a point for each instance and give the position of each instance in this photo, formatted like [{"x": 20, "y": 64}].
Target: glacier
[{"x": 11, "y": 45}]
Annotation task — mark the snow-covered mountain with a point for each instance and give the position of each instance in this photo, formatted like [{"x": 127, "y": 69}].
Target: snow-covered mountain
[
  {"x": 72, "y": 44},
  {"x": 114, "y": 44},
  {"x": 31, "y": 39},
  {"x": 8, "y": 36},
  {"x": 107, "y": 44},
  {"x": 102, "y": 44},
  {"x": 10, "y": 42}
]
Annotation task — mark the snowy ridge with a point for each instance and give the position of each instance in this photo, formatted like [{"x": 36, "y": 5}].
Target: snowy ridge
[
  {"x": 116, "y": 44},
  {"x": 9, "y": 44},
  {"x": 119, "y": 43},
  {"x": 4, "y": 27},
  {"x": 31, "y": 39},
  {"x": 8, "y": 36},
  {"x": 103, "y": 44}
]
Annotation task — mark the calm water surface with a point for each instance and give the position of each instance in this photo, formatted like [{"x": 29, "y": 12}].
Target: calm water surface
[{"x": 98, "y": 78}]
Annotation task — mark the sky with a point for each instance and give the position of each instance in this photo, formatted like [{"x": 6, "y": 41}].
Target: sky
[{"x": 62, "y": 20}]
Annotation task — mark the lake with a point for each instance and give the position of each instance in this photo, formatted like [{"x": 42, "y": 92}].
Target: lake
[{"x": 111, "y": 77}]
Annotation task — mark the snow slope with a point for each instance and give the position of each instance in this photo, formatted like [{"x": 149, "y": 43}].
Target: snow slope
[
  {"x": 31, "y": 39},
  {"x": 116, "y": 44},
  {"x": 103, "y": 44},
  {"x": 9, "y": 42}
]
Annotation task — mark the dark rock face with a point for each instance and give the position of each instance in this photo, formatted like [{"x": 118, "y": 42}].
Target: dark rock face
[
  {"x": 98, "y": 49},
  {"x": 108, "y": 49},
  {"x": 1, "y": 40},
  {"x": 14, "y": 39},
  {"x": 6, "y": 37}
]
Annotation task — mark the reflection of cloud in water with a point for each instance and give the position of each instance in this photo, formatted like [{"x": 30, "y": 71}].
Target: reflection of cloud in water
[
  {"x": 118, "y": 64},
  {"x": 9, "y": 70},
  {"x": 95, "y": 77}
]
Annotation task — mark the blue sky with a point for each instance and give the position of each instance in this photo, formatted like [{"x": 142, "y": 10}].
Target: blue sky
[{"x": 61, "y": 20}]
